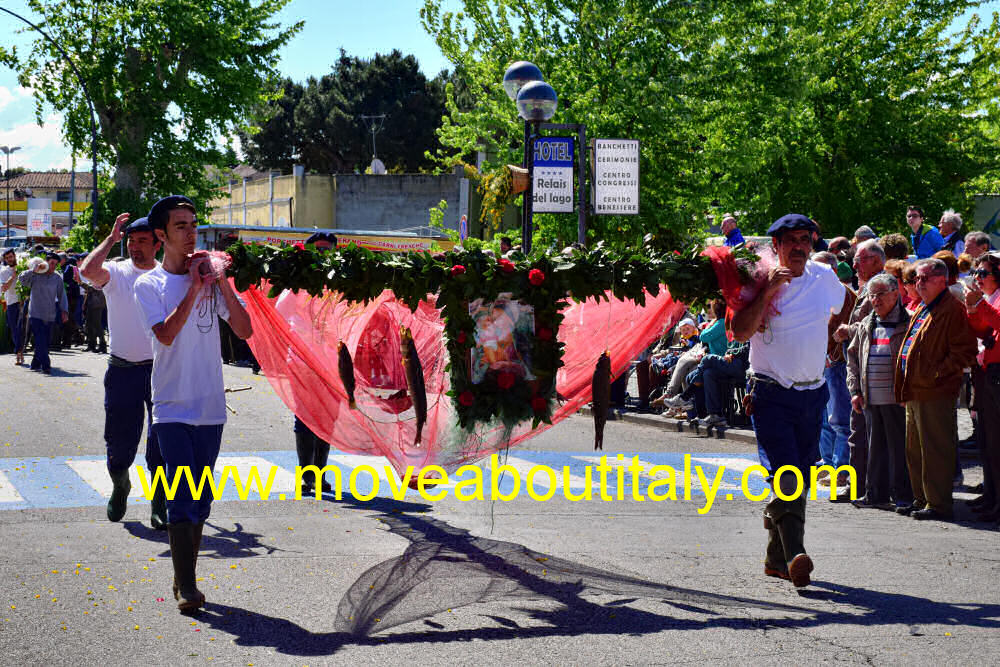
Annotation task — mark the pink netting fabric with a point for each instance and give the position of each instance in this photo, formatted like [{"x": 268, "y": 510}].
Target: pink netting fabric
[{"x": 295, "y": 341}]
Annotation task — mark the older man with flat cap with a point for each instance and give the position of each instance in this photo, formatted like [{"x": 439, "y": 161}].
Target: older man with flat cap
[
  {"x": 787, "y": 326},
  {"x": 127, "y": 382}
]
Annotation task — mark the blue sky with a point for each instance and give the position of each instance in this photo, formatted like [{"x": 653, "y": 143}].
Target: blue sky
[{"x": 361, "y": 28}]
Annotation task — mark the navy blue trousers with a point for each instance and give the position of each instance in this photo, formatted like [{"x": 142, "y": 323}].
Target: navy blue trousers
[
  {"x": 128, "y": 403},
  {"x": 14, "y": 324},
  {"x": 41, "y": 332},
  {"x": 197, "y": 448},
  {"x": 787, "y": 423}
]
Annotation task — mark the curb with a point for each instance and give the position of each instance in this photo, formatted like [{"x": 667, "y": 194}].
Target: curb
[{"x": 678, "y": 426}]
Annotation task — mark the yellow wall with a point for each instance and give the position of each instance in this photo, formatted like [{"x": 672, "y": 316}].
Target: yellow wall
[{"x": 313, "y": 203}]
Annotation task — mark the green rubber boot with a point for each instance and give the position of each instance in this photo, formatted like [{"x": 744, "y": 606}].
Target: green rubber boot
[
  {"x": 158, "y": 509},
  {"x": 118, "y": 502}
]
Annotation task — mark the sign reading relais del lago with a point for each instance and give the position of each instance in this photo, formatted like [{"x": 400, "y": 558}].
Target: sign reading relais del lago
[
  {"x": 616, "y": 176},
  {"x": 552, "y": 190}
]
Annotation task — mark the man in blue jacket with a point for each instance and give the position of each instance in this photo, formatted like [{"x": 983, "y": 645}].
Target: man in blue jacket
[
  {"x": 926, "y": 240},
  {"x": 731, "y": 231}
]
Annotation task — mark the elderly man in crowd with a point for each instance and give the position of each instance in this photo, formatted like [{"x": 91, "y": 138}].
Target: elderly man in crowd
[
  {"x": 871, "y": 365},
  {"x": 976, "y": 244},
  {"x": 863, "y": 233},
  {"x": 950, "y": 227},
  {"x": 983, "y": 304},
  {"x": 869, "y": 260},
  {"x": 939, "y": 345},
  {"x": 925, "y": 239}
]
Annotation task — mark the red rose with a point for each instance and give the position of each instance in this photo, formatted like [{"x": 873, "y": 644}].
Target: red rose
[
  {"x": 544, "y": 333},
  {"x": 299, "y": 245},
  {"x": 536, "y": 277},
  {"x": 460, "y": 338},
  {"x": 505, "y": 380},
  {"x": 538, "y": 404},
  {"x": 466, "y": 399},
  {"x": 457, "y": 270},
  {"x": 505, "y": 265}
]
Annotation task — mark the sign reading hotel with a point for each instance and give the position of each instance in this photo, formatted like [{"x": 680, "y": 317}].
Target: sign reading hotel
[
  {"x": 552, "y": 191},
  {"x": 616, "y": 176}
]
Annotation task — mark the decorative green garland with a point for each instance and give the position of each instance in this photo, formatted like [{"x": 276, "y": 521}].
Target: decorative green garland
[{"x": 544, "y": 281}]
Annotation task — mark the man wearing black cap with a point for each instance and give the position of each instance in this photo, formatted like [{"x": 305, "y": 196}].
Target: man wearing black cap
[
  {"x": 310, "y": 448},
  {"x": 787, "y": 326},
  {"x": 127, "y": 390},
  {"x": 181, "y": 301},
  {"x": 47, "y": 305}
]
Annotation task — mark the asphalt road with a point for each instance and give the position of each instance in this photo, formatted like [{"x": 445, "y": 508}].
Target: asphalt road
[{"x": 348, "y": 582}]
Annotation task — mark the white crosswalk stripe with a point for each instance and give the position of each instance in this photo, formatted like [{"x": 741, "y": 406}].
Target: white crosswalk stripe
[
  {"x": 523, "y": 467},
  {"x": 8, "y": 494},
  {"x": 95, "y": 474}
]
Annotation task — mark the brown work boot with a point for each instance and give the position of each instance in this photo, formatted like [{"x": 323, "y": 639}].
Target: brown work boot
[
  {"x": 774, "y": 562},
  {"x": 184, "y": 554},
  {"x": 792, "y": 531}
]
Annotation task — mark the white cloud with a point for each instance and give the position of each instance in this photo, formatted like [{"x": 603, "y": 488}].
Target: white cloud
[
  {"x": 9, "y": 96},
  {"x": 42, "y": 146}
]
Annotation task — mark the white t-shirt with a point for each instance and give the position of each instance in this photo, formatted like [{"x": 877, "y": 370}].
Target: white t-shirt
[
  {"x": 792, "y": 348},
  {"x": 129, "y": 336},
  {"x": 187, "y": 375},
  {"x": 10, "y": 297}
]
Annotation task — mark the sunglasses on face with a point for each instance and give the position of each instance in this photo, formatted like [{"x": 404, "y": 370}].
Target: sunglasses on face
[{"x": 979, "y": 273}]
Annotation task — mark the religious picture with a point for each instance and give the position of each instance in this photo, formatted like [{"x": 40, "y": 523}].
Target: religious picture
[{"x": 505, "y": 331}]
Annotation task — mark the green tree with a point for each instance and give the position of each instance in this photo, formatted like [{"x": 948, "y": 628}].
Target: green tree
[
  {"x": 845, "y": 110},
  {"x": 167, "y": 79},
  {"x": 335, "y": 138},
  {"x": 274, "y": 143}
]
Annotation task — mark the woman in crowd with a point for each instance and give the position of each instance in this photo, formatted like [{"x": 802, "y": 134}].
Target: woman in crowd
[{"x": 983, "y": 303}]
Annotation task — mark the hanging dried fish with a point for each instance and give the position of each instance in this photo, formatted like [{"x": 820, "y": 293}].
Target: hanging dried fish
[
  {"x": 414, "y": 379},
  {"x": 346, "y": 367},
  {"x": 601, "y": 387}
]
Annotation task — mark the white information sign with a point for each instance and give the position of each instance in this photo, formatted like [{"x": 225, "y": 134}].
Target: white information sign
[
  {"x": 616, "y": 176},
  {"x": 552, "y": 189},
  {"x": 39, "y": 220}
]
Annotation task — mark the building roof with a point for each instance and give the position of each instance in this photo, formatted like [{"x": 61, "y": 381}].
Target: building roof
[{"x": 50, "y": 180}]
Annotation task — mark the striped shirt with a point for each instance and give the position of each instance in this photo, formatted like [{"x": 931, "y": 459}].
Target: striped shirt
[{"x": 881, "y": 369}]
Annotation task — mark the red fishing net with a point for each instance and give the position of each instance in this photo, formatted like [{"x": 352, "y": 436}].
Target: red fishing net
[{"x": 295, "y": 341}]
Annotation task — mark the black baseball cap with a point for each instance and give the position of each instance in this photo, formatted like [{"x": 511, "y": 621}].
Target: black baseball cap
[
  {"x": 139, "y": 225},
  {"x": 790, "y": 222},
  {"x": 160, "y": 213}
]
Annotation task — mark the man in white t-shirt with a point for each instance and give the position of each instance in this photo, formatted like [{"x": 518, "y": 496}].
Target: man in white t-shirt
[
  {"x": 8, "y": 288},
  {"x": 181, "y": 302},
  {"x": 127, "y": 388},
  {"x": 787, "y": 326}
]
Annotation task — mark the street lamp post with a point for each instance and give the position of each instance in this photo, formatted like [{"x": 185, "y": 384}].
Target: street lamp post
[
  {"x": 536, "y": 102},
  {"x": 7, "y": 150}
]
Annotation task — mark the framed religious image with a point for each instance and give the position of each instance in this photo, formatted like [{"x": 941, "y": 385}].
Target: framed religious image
[{"x": 505, "y": 331}]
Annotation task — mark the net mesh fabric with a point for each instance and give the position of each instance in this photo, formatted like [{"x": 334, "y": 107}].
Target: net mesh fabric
[{"x": 295, "y": 341}]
